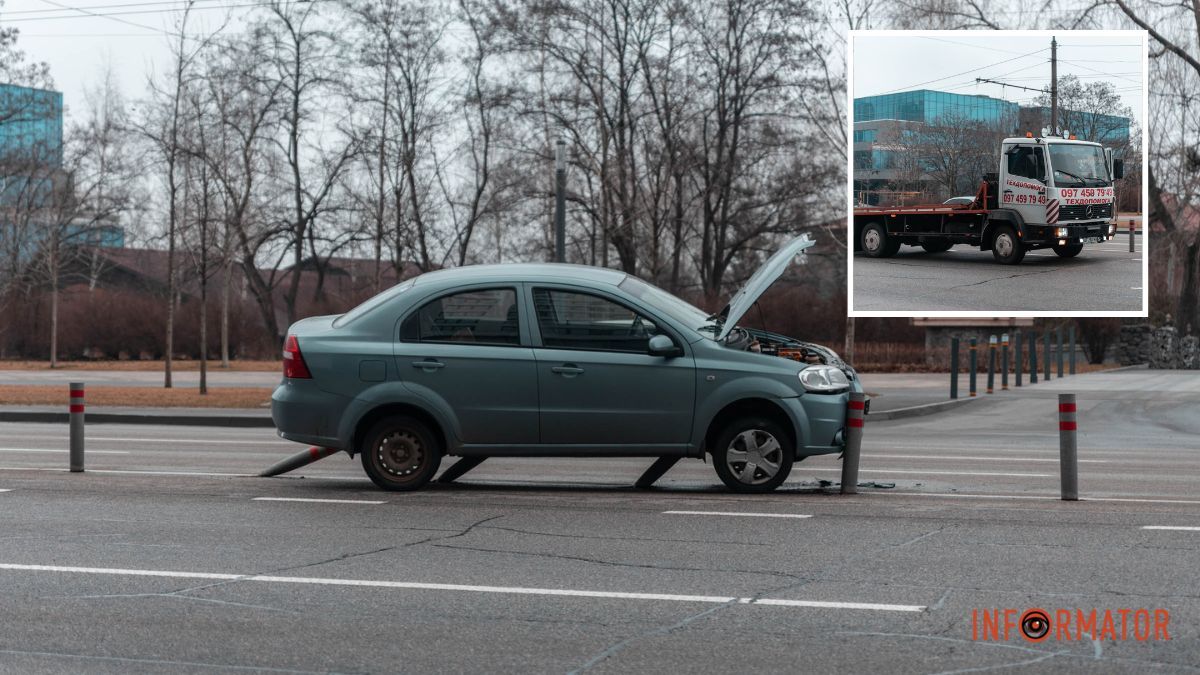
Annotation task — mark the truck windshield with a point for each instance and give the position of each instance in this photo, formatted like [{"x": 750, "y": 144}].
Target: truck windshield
[{"x": 1078, "y": 165}]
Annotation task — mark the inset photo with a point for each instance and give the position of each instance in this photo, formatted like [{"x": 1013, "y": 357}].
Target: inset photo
[{"x": 997, "y": 173}]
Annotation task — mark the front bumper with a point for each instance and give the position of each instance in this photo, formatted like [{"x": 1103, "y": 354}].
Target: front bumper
[
  {"x": 1077, "y": 232},
  {"x": 825, "y": 418}
]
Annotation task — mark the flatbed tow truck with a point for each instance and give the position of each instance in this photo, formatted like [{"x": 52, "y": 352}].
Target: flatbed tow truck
[{"x": 1050, "y": 192}]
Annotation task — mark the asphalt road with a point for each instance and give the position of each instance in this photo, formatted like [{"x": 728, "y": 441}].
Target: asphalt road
[
  {"x": 1104, "y": 277},
  {"x": 166, "y": 556}
]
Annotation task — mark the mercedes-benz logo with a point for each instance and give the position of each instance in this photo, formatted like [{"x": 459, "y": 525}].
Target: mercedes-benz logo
[{"x": 1090, "y": 211}]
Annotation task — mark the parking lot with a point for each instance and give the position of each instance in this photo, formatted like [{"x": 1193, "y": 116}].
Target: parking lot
[
  {"x": 168, "y": 554},
  {"x": 1104, "y": 277}
]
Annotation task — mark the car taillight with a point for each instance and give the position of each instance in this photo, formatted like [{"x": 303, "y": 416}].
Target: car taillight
[{"x": 293, "y": 361}]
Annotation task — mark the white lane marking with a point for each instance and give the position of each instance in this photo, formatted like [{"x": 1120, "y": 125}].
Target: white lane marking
[
  {"x": 1171, "y": 527},
  {"x": 187, "y": 441},
  {"x": 737, "y": 513},
  {"x": 5, "y": 490},
  {"x": 64, "y": 451},
  {"x": 320, "y": 501},
  {"x": 940, "y": 473},
  {"x": 1053, "y": 497},
  {"x": 988, "y": 459},
  {"x": 509, "y": 590},
  {"x": 132, "y": 471}
]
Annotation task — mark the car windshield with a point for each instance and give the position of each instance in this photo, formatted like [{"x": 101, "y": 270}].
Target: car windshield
[
  {"x": 676, "y": 308},
  {"x": 372, "y": 303},
  {"x": 1078, "y": 165}
]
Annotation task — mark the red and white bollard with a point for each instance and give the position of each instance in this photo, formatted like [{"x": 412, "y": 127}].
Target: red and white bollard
[
  {"x": 76, "y": 426},
  {"x": 854, "y": 431},
  {"x": 1067, "y": 448}
]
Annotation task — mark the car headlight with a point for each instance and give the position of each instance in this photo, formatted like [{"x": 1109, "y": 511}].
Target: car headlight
[{"x": 824, "y": 379}]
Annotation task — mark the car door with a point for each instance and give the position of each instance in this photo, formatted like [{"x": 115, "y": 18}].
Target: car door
[
  {"x": 1024, "y": 189},
  {"x": 598, "y": 385},
  {"x": 463, "y": 350}
]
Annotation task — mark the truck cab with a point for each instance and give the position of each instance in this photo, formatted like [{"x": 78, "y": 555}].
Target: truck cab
[{"x": 1061, "y": 189}]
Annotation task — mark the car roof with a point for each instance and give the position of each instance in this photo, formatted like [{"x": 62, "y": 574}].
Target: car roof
[{"x": 522, "y": 272}]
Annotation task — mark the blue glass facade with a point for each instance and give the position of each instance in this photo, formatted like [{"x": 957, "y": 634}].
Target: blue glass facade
[
  {"x": 1096, "y": 127},
  {"x": 928, "y": 107},
  {"x": 31, "y": 124}
]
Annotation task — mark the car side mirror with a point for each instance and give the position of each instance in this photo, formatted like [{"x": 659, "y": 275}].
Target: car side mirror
[
  {"x": 1118, "y": 168},
  {"x": 663, "y": 345}
]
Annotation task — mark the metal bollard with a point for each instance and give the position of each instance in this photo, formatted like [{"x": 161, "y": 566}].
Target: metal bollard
[
  {"x": 1059, "y": 354},
  {"x": 1033, "y": 367},
  {"x": 1131, "y": 235},
  {"x": 1018, "y": 366},
  {"x": 953, "y": 368},
  {"x": 1046, "y": 353},
  {"x": 991, "y": 364},
  {"x": 1067, "y": 449},
  {"x": 1004, "y": 362},
  {"x": 854, "y": 432},
  {"x": 76, "y": 410},
  {"x": 1071, "y": 332},
  {"x": 974, "y": 349}
]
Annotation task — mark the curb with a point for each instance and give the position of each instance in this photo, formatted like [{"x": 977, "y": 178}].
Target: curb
[
  {"x": 920, "y": 410},
  {"x": 237, "y": 421}
]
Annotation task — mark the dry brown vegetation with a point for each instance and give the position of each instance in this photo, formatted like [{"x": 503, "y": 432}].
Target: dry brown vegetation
[
  {"x": 234, "y": 366},
  {"x": 218, "y": 397}
]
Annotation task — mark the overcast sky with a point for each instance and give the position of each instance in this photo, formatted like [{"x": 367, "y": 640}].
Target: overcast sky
[
  {"x": 950, "y": 61},
  {"x": 77, "y": 37}
]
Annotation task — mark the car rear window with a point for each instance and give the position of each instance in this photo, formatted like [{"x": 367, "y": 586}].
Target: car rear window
[{"x": 479, "y": 316}]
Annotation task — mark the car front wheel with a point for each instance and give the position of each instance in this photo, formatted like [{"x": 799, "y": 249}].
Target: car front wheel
[
  {"x": 753, "y": 454},
  {"x": 400, "y": 454},
  {"x": 1007, "y": 247}
]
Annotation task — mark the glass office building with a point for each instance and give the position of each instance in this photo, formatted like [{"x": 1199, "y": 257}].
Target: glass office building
[
  {"x": 1097, "y": 127},
  {"x": 31, "y": 125},
  {"x": 927, "y": 107}
]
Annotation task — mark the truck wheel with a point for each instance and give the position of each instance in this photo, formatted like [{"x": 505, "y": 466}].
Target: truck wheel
[
  {"x": 1068, "y": 251},
  {"x": 876, "y": 242},
  {"x": 400, "y": 454},
  {"x": 936, "y": 245},
  {"x": 1007, "y": 247},
  {"x": 753, "y": 454}
]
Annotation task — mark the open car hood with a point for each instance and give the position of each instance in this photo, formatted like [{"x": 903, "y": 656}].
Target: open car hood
[{"x": 760, "y": 281}]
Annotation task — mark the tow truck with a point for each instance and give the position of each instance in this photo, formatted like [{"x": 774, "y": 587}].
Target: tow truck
[{"x": 1050, "y": 192}]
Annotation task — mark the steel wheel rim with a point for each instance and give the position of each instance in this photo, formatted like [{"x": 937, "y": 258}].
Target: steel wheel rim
[
  {"x": 871, "y": 240},
  {"x": 754, "y": 457},
  {"x": 400, "y": 454},
  {"x": 1004, "y": 244}
]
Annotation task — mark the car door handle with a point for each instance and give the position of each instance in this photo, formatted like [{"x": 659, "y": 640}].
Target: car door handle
[
  {"x": 428, "y": 365},
  {"x": 567, "y": 370}
]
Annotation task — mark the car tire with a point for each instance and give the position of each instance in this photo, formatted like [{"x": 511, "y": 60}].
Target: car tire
[
  {"x": 772, "y": 455},
  {"x": 1007, "y": 247},
  {"x": 1068, "y": 251},
  {"x": 876, "y": 243},
  {"x": 937, "y": 245},
  {"x": 400, "y": 454}
]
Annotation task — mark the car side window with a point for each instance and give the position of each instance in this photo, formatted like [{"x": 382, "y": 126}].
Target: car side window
[
  {"x": 486, "y": 317},
  {"x": 570, "y": 320},
  {"x": 1027, "y": 162}
]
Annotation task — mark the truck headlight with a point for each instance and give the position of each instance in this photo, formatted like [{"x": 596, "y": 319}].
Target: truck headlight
[
  {"x": 824, "y": 379},
  {"x": 1112, "y": 229},
  {"x": 1061, "y": 233}
]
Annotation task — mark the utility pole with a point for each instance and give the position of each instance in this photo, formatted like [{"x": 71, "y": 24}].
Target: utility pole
[
  {"x": 560, "y": 201},
  {"x": 1053, "y": 86}
]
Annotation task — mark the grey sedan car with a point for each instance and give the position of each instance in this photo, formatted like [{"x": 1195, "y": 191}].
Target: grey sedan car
[{"x": 551, "y": 360}]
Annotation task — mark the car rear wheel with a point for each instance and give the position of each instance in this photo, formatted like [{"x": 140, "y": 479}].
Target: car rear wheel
[
  {"x": 876, "y": 242},
  {"x": 400, "y": 454},
  {"x": 753, "y": 454},
  {"x": 1007, "y": 247},
  {"x": 1068, "y": 251}
]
